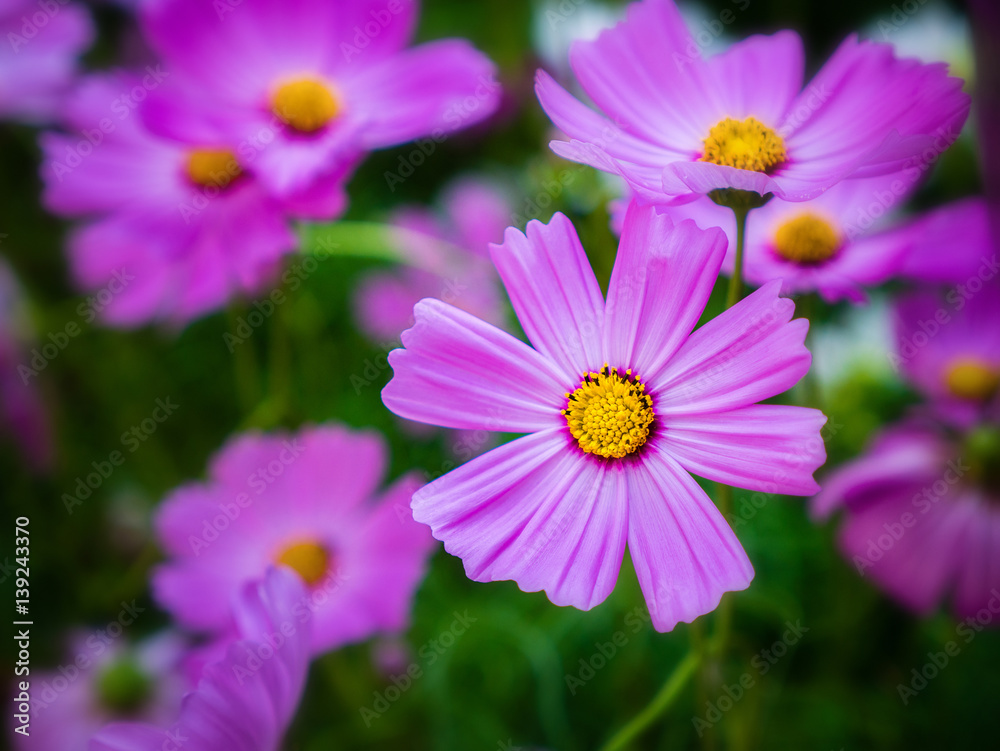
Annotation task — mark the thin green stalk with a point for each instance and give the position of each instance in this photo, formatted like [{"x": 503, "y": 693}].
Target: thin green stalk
[
  {"x": 245, "y": 366},
  {"x": 671, "y": 689},
  {"x": 735, "y": 293}
]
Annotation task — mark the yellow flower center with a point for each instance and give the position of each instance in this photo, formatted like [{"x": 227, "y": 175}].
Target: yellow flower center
[
  {"x": 310, "y": 560},
  {"x": 305, "y": 105},
  {"x": 610, "y": 413},
  {"x": 744, "y": 144},
  {"x": 807, "y": 239},
  {"x": 213, "y": 167},
  {"x": 972, "y": 378}
]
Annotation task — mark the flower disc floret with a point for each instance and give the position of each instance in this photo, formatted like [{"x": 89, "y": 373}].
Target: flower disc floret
[{"x": 610, "y": 414}]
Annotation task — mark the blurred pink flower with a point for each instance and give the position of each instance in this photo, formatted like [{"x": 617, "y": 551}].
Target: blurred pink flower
[
  {"x": 621, "y": 400},
  {"x": 101, "y": 683},
  {"x": 24, "y": 419},
  {"x": 38, "y": 57},
  {"x": 675, "y": 125},
  {"x": 303, "y": 88},
  {"x": 921, "y": 515},
  {"x": 176, "y": 231},
  {"x": 447, "y": 258},
  {"x": 246, "y": 700},
  {"x": 948, "y": 347},
  {"x": 310, "y": 501},
  {"x": 848, "y": 239}
]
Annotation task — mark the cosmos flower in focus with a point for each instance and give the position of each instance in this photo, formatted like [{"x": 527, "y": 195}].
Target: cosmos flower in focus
[
  {"x": 246, "y": 701},
  {"x": 38, "y": 57},
  {"x": 175, "y": 231},
  {"x": 948, "y": 347},
  {"x": 849, "y": 239},
  {"x": 101, "y": 682},
  {"x": 921, "y": 515},
  {"x": 675, "y": 125},
  {"x": 304, "y": 88},
  {"x": 446, "y": 257},
  {"x": 621, "y": 401},
  {"x": 310, "y": 502}
]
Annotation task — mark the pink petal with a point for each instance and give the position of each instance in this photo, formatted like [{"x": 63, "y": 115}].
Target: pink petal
[
  {"x": 771, "y": 448},
  {"x": 436, "y": 89},
  {"x": 866, "y": 108},
  {"x": 914, "y": 564},
  {"x": 536, "y": 511},
  {"x": 554, "y": 293},
  {"x": 751, "y": 352},
  {"x": 458, "y": 372},
  {"x": 662, "y": 279},
  {"x": 685, "y": 554}
]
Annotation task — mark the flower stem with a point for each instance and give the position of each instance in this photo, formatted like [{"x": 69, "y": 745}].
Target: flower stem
[
  {"x": 245, "y": 365},
  {"x": 735, "y": 293},
  {"x": 684, "y": 671}
]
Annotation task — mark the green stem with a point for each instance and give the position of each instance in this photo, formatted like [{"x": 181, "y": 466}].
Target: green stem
[
  {"x": 735, "y": 293},
  {"x": 684, "y": 671},
  {"x": 245, "y": 365}
]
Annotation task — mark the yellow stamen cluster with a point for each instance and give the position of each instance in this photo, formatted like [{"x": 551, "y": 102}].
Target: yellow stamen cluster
[
  {"x": 310, "y": 560},
  {"x": 807, "y": 240},
  {"x": 610, "y": 414},
  {"x": 744, "y": 144},
  {"x": 213, "y": 167},
  {"x": 305, "y": 105},
  {"x": 972, "y": 378}
]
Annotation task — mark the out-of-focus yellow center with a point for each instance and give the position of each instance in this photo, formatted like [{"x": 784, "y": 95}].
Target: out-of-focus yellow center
[
  {"x": 310, "y": 560},
  {"x": 807, "y": 239},
  {"x": 744, "y": 144},
  {"x": 973, "y": 379},
  {"x": 610, "y": 414},
  {"x": 213, "y": 167},
  {"x": 305, "y": 105}
]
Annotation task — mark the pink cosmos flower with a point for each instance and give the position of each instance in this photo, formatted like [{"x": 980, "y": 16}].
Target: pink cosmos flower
[
  {"x": 305, "y": 87},
  {"x": 847, "y": 239},
  {"x": 922, "y": 515},
  {"x": 38, "y": 59},
  {"x": 621, "y": 401},
  {"x": 311, "y": 502},
  {"x": 24, "y": 419},
  {"x": 246, "y": 701},
  {"x": 448, "y": 258},
  {"x": 948, "y": 347},
  {"x": 177, "y": 230},
  {"x": 101, "y": 683},
  {"x": 675, "y": 125}
]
